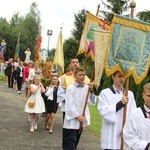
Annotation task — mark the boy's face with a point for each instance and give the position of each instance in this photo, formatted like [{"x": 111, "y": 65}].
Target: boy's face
[
  {"x": 118, "y": 79},
  {"x": 54, "y": 80},
  {"x": 80, "y": 76},
  {"x": 146, "y": 97}
]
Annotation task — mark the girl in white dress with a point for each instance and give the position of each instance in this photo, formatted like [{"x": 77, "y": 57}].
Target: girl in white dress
[{"x": 39, "y": 107}]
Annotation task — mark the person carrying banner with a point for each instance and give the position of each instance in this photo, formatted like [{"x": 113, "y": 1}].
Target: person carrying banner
[
  {"x": 136, "y": 131},
  {"x": 65, "y": 81},
  {"x": 75, "y": 99},
  {"x": 110, "y": 105}
]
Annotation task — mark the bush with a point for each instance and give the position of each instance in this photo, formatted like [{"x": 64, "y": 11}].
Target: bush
[
  {"x": 2, "y": 78},
  {"x": 46, "y": 81}
]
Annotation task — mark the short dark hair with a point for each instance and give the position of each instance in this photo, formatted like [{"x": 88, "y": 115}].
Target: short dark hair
[
  {"x": 77, "y": 70},
  {"x": 114, "y": 74},
  {"x": 72, "y": 59}
]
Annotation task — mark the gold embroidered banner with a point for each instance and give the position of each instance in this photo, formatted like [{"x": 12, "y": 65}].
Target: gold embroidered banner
[
  {"x": 87, "y": 39},
  {"x": 129, "y": 48},
  {"x": 101, "y": 42}
]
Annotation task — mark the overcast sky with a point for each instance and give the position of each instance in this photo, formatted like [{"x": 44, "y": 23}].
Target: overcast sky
[{"x": 55, "y": 12}]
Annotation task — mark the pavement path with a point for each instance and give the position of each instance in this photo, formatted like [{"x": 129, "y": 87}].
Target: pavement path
[{"x": 14, "y": 127}]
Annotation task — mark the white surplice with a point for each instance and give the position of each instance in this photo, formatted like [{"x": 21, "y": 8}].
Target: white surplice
[
  {"x": 61, "y": 97},
  {"x": 112, "y": 120},
  {"x": 136, "y": 131},
  {"x": 74, "y": 105}
]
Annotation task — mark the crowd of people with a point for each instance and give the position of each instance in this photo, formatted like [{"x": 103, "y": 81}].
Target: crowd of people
[{"x": 72, "y": 89}]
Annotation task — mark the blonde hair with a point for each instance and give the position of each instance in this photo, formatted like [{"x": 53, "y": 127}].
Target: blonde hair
[
  {"x": 146, "y": 86},
  {"x": 37, "y": 76}
]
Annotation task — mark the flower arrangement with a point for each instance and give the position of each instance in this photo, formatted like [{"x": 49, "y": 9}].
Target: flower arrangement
[{"x": 46, "y": 81}]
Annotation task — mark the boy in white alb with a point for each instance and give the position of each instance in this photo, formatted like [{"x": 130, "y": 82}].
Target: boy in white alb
[
  {"x": 74, "y": 104},
  {"x": 111, "y": 103},
  {"x": 136, "y": 131}
]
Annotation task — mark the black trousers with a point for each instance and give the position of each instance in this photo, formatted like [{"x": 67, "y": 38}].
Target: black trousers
[
  {"x": 71, "y": 139},
  {"x": 10, "y": 81},
  {"x": 19, "y": 83}
]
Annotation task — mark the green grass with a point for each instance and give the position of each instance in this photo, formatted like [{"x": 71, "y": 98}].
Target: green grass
[
  {"x": 2, "y": 77},
  {"x": 96, "y": 120}
]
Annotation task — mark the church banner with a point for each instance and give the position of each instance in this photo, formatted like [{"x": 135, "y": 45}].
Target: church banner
[
  {"x": 87, "y": 39},
  {"x": 58, "y": 62},
  {"x": 128, "y": 48},
  {"x": 101, "y": 42}
]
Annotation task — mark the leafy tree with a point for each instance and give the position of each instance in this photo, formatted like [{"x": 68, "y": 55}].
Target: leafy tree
[
  {"x": 71, "y": 45},
  {"x": 69, "y": 51},
  {"x": 144, "y": 15},
  {"x": 30, "y": 30},
  {"x": 114, "y": 6},
  {"x": 27, "y": 25},
  {"x": 79, "y": 25}
]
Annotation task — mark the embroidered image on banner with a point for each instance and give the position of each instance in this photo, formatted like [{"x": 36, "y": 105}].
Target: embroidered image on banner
[
  {"x": 129, "y": 48},
  {"x": 92, "y": 23}
]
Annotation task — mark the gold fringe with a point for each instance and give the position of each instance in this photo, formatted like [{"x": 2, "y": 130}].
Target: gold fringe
[{"x": 117, "y": 67}]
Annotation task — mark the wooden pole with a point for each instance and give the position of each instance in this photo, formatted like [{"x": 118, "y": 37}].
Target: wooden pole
[
  {"x": 98, "y": 7},
  {"x": 86, "y": 100},
  {"x": 124, "y": 111},
  {"x": 132, "y": 6},
  {"x": 92, "y": 78}
]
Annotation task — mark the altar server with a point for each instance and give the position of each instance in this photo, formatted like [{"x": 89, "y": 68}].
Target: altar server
[
  {"x": 136, "y": 131},
  {"x": 111, "y": 103}
]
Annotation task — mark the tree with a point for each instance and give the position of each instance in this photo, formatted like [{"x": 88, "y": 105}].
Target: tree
[
  {"x": 114, "y": 6},
  {"x": 70, "y": 51},
  {"x": 71, "y": 44},
  {"x": 30, "y": 30},
  {"x": 28, "y": 25},
  {"x": 144, "y": 16}
]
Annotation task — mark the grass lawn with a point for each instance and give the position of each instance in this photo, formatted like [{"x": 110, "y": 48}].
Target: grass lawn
[
  {"x": 96, "y": 120},
  {"x": 2, "y": 77}
]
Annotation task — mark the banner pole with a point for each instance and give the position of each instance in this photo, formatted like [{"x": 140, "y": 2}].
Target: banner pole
[{"x": 132, "y": 6}]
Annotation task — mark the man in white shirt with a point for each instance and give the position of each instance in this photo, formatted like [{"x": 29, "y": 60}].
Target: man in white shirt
[
  {"x": 110, "y": 105},
  {"x": 66, "y": 80},
  {"x": 136, "y": 131},
  {"x": 75, "y": 99}
]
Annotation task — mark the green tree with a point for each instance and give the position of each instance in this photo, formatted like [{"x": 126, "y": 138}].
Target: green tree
[
  {"x": 27, "y": 25},
  {"x": 71, "y": 44},
  {"x": 114, "y": 6},
  {"x": 144, "y": 16},
  {"x": 70, "y": 51},
  {"x": 30, "y": 30},
  {"x": 79, "y": 25}
]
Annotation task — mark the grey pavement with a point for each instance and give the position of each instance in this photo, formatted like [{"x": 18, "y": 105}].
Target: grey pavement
[{"x": 14, "y": 127}]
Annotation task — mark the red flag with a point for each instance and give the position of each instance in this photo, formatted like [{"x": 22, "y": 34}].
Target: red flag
[
  {"x": 38, "y": 48},
  {"x": 17, "y": 48}
]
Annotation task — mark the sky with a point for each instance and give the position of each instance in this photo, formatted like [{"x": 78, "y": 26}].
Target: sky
[{"x": 57, "y": 13}]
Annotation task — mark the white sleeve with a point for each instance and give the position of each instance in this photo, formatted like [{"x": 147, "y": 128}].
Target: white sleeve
[
  {"x": 107, "y": 111},
  {"x": 92, "y": 99},
  {"x": 132, "y": 104},
  {"x": 131, "y": 139},
  {"x": 70, "y": 107},
  {"x": 61, "y": 94},
  {"x": 49, "y": 91}
]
